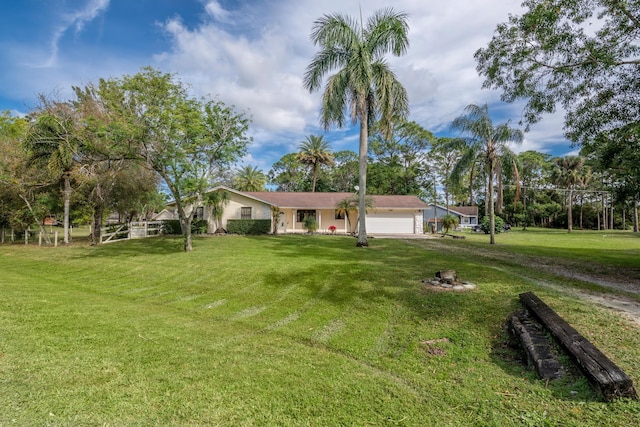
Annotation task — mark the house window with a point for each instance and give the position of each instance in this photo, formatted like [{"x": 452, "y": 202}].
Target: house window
[
  {"x": 198, "y": 214},
  {"x": 339, "y": 214},
  {"x": 302, "y": 214},
  {"x": 245, "y": 213}
]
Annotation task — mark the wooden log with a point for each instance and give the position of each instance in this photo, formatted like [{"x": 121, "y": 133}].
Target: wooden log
[
  {"x": 602, "y": 373},
  {"x": 536, "y": 346}
]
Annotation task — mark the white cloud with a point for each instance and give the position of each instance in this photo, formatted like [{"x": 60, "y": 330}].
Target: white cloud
[
  {"x": 77, "y": 18},
  {"x": 254, "y": 56}
]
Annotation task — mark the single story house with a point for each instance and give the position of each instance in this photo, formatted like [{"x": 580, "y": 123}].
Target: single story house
[
  {"x": 467, "y": 215},
  {"x": 388, "y": 215}
]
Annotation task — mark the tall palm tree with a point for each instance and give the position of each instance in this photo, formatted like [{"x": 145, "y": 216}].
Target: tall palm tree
[
  {"x": 314, "y": 152},
  {"x": 477, "y": 125},
  {"x": 250, "y": 178},
  {"x": 364, "y": 87},
  {"x": 567, "y": 175}
]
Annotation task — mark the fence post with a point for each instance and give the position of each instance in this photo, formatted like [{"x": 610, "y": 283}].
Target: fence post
[
  {"x": 55, "y": 240},
  {"x": 26, "y": 237},
  {"x": 12, "y": 236},
  {"x": 40, "y": 239}
]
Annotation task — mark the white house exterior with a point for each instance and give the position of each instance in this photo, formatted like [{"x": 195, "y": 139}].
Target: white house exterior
[{"x": 389, "y": 214}]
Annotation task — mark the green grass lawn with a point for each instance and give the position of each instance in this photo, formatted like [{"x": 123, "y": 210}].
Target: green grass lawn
[{"x": 287, "y": 330}]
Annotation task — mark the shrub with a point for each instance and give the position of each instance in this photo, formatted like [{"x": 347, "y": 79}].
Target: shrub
[
  {"x": 249, "y": 226},
  {"x": 172, "y": 226},
  {"x": 486, "y": 224},
  {"x": 199, "y": 226},
  {"x": 310, "y": 224}
]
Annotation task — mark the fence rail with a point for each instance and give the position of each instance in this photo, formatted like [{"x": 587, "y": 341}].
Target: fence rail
[{"x": 131, "y": 230}]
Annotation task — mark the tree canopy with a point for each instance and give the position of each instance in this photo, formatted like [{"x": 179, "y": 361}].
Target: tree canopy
[{"x": 580, "y": 54}]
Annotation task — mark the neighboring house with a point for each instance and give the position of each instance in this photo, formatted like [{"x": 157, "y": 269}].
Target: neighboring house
[
  {"x": 467, "y": 215},
  {"x": 389, "y": 214}
]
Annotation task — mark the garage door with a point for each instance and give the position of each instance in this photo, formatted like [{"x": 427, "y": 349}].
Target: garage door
[{"x": 390, "y": 222}]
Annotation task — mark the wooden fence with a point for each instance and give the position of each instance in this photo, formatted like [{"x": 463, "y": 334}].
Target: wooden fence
[{"x": 131, "y": 230}]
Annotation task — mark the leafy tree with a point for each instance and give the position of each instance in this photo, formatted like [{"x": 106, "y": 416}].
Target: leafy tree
[
  {"x": 314, "y": 152},
  {"x": 364, "y": 87},
  {"x": 532, "y": 173},
  {"x": 288, "y": 174},
  {"x": 344, "y": 173},
  {"x": 184, "y": 140},
  {"x": 250, "y": 178},
  {"x": 444, "y": 156},
  {"x": 24, "y": 186},
  {"x": 400, "y": 160},
  {"x": 581, "y": 54},
  {"x": 477, "y": 125}
]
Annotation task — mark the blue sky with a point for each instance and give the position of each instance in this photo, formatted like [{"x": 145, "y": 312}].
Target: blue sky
[{"x": 252, "y": 54}]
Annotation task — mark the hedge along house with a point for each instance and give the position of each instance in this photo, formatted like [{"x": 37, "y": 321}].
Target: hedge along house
[{"x": 388, "y": 214}]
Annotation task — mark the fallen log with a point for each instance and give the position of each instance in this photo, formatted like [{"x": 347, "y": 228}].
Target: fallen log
[
  {"x": 536, "y": 346},
  {"x": 602, "y": 373}
]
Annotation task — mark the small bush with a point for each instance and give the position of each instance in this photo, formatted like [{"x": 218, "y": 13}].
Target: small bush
[
  {"x": 249, "y": 226},
  {"x": 199, "y": 226},
  {"x": 172, "y": 226},
  {"x": 486, "y": 224},
  {"x": 310, "y": 224}
]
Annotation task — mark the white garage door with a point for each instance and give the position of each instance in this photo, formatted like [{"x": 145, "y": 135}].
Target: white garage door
[{"x": 390, "y": 222}]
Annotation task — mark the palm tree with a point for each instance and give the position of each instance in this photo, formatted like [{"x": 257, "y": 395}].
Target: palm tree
[
  {"x": 314, "y": 152},
  {"x": 567, "y": 174},
  {"x": 52, "y": 139},
  {"x": 479, "y": 128},
  {"x": 364, "y": 85},
  {"x": 250, "y": 178}
]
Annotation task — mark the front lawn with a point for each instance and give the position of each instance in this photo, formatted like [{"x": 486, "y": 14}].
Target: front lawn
[{"x": 279, "y": 330}]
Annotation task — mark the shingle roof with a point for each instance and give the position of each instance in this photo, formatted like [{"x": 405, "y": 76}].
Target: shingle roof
[
  {"x": 466, "y": 210},
  {"x": 301, "y": 200}
]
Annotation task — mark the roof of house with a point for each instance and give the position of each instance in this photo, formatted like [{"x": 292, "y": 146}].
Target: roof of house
[
  {"x": 466, "y": 210},
  {"x": 461, "y": 210},
  {"x": 302, "y": 200}
]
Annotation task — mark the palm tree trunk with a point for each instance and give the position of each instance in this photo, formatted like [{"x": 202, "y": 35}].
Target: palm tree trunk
[
  {"x": 636, "y": 226},
  {"x": 362, "y": 182},
  {"x": 500, "y": 200},
  {"x": 315, "y": 177},
  {"x": 67, "y": 203},
  {"x": 570, "y": 215},
  {"x": 492, "y": 212},
  {"x": 581, "y": 208},
  {"x": 471, "y": 176}
]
